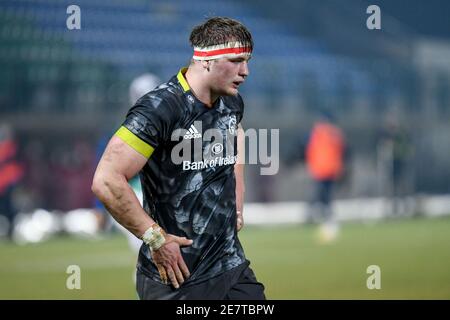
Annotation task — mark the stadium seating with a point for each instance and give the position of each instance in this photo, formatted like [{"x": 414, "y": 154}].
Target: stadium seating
[{"x": 139, "y": 36}]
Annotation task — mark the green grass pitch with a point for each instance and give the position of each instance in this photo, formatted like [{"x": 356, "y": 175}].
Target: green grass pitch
[{"x": 413, "y": 255}]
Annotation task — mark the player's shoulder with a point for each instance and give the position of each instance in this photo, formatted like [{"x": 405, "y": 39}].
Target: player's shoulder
[{"x": 166, "y": 98}]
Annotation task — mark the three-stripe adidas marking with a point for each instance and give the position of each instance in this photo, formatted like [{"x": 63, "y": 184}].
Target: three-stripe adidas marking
[{"x": 192, "y": 133}]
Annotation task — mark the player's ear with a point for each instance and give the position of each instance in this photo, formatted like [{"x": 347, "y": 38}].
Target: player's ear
[{"x": 205, "y": 64}]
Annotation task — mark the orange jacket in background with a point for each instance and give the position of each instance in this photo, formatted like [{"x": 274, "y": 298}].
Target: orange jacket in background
[
  {"x": 10, "y": 171},
  {"x": 325, "y": 151}
]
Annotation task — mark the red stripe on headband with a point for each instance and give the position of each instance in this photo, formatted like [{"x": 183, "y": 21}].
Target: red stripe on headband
[{"x": 221, "y": 51}]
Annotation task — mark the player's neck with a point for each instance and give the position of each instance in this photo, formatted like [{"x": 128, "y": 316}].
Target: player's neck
[{"x": 200, "y": 88}]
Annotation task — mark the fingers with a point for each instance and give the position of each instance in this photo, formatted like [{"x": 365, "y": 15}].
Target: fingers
[
  {"x": 239, "y": 224},
  {"x": 162, "y": 273},
  {"x": 184, "y": 268},
  {"x": 173, "y": 274},
  {"x": 239, "y": 221},
  {"x": 170, "y": 263},
  {"x": 181, "y": 272},
  {"x": 172, "y": 277},
  {"x": 183, "y": 241},
  {"x": 178, "y": 274}
]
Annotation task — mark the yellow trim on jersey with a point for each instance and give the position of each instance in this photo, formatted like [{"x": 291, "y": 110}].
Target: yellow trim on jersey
[
  {"x": 135, "y": 142},
  {"x": 182, "y": 79}
]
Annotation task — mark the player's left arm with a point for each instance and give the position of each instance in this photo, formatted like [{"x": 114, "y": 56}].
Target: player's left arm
[{"x": 239, "y": 174}]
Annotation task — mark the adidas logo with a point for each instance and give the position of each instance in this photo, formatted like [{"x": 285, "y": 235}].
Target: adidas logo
[{"x": 192, "y": 133}]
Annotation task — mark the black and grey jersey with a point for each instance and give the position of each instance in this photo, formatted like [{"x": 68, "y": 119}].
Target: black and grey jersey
[{"x": 188, "y": 181}]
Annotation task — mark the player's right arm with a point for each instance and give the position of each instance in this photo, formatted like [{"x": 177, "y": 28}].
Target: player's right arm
[{"x": 119, "y": 163}]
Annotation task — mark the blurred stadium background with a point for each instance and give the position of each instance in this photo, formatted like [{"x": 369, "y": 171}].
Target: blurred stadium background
[{"x": 63, "y": 91}]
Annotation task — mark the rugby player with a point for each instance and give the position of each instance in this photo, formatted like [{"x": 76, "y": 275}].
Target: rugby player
[{"x": 182, "y": 139}]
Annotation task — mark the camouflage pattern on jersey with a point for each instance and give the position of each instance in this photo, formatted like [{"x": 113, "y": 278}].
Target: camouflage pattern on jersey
[{"x": 193, "y": 197}]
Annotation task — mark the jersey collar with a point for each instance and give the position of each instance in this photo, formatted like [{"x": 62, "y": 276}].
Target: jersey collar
[
  {"x": 182, "y": 79},
  {"x": 187, "y": 90}
]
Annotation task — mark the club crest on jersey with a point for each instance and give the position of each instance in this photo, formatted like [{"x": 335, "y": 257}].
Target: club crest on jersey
[{"x": 232, "y": 125}]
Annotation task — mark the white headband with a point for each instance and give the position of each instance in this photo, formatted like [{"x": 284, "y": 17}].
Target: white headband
[{"x": 231, "y": 49}]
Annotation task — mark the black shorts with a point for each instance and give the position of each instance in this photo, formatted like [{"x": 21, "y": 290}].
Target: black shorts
[{"x": 237, "y": 284}]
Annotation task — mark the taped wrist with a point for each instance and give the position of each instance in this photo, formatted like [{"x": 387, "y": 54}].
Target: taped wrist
[{"x": 154, "y": 237}]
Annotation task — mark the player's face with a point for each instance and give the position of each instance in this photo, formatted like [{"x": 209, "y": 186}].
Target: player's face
[{"x": 227, "y": 74}]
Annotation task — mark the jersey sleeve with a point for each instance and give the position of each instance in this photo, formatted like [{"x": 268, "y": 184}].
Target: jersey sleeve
[{"x": 146, "y": 126}]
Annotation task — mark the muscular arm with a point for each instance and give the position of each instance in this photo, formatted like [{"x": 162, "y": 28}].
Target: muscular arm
[
  {"x": 239, "y": 174},
  {"x": 118, "y": 164}
]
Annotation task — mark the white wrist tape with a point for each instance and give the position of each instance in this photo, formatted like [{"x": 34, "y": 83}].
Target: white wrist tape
[{"x": 154, "y": 237}]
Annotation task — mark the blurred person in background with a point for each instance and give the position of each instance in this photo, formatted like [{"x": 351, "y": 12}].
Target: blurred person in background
[
  {"x": 325, "y": 150},
  {"x": 11, "y": 173},
  {"x": 72, "y": 168},
  {"x": 38, "y": 182},
  {"x": 395, "y": 152},
  {"x": 191, "y": 213}
]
